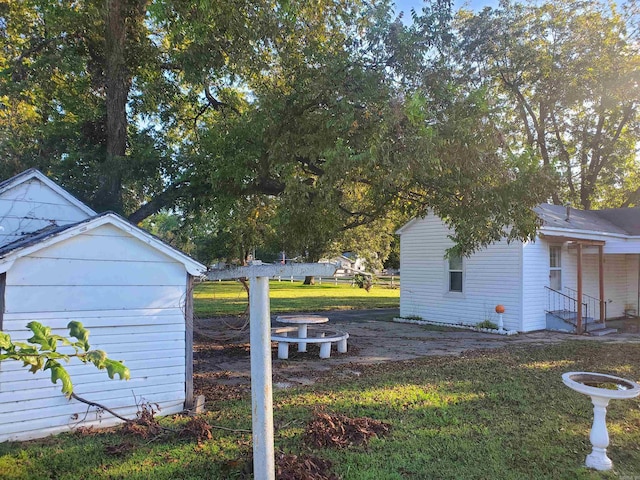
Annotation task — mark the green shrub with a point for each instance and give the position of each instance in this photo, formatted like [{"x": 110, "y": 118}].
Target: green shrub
[{"x": 487, "y": 324}]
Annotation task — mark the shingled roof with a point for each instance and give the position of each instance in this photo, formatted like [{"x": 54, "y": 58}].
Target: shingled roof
[{"x": 620, "y": 221}]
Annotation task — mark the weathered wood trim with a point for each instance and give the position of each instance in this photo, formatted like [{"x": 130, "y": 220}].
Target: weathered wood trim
[
  {"x": 601, "y": 282},
  {"x": 188, "y": 317},
  {"x": 3, "y": 284},
  {"x": 580, "y": 291},
  {"x": 568, "y": 238}
]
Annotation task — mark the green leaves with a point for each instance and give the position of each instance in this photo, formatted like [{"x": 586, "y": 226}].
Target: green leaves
[
  {"x": 40, "y": 353},
  {"x": 77, "y": 330},
  {"x": 116, "y": 368},
  {"x": 5, "y": 341},
  {"x": 41, "y": 336},
  {"x": 562, "y": 92},
  {"x": 59, "y": 373}
]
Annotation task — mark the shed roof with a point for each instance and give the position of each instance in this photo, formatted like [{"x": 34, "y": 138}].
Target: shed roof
[
  {"x": 31, "y": 174},
  {"x": 53, "y": 234},
  {"x": 30, "y": 242}
]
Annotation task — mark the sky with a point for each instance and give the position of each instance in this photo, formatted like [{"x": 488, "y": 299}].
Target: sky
[{"x": 477, "y": 5}]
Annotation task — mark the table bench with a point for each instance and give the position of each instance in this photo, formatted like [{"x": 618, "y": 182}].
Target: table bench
[
  {"x": 302, "y": 322},
  {"x": 325, "y": 338}
]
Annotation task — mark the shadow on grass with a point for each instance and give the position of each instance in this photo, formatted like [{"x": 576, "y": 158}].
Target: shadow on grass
[{"x": 499, "y": 414}]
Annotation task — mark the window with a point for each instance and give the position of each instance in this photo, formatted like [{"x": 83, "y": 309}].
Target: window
[
  {"x": 555, "y": 267},
  {"x": 455, "y": 273}
]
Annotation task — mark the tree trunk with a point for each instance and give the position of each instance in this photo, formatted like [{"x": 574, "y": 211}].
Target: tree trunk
[
  {"x": 118, "y": 83},
  {"x": 309, "y": 280}
]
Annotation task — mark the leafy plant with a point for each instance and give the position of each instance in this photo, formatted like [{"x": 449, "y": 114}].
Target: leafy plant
[
  {"x": 487, "y": 324},
  {"x": 41, "y": 353},
  {"x": 362, "y": 281}
]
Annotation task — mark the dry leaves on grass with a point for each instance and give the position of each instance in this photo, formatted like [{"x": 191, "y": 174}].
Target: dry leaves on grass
[
  {"x": 215, "y": 392},
  {"x": 89, "y": 431},
  {"x": 198, "y": 428},
  {"x": 145, "y": 424},
  {"x": 119, "y": 449},
  {"x": 340, "y": 431},
  {"x": 303, "y": 467}
]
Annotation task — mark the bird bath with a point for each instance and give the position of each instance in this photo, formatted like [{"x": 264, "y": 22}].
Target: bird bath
[{"x": 601, "y": 388}]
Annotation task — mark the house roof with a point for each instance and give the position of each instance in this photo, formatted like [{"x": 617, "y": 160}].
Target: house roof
[
  {"x": 616, "y": 221},
  {"x": 31, "y": 174},
  {"x": 53, "y": 234},
  {"x": 620, "y": 221}
]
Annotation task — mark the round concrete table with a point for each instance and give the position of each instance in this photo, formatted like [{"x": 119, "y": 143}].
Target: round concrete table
[{"x": 301, "y": 321}]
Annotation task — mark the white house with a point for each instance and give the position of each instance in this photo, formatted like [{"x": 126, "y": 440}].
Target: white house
[
  {"x": 348, "y": 263},
  {"x": 60, "y": 261},
  {"x": 589, "y": 255}
]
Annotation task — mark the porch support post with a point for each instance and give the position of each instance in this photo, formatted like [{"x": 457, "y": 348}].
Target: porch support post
[
  {"x": 579, "y": 299},
  {"x": 601, "y": 280}
]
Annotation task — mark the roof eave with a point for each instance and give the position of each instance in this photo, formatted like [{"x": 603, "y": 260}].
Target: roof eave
[
  {"x": 37, "y": 174},
  {"x": 575, "y": 231},
  {"x": 192, "y": 266}
]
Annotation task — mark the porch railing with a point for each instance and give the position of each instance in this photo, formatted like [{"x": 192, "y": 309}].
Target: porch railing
[
  {"x": 562, "y": 305},
  {"x": 593, "y": 302}
]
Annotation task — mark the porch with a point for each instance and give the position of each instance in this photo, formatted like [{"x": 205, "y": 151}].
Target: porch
[{"x": 589, "y": 286}]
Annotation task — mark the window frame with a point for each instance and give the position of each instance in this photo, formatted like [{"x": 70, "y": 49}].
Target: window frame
[
  {"x": 449, "y": 271},
  {"x": 557, "y": 267}
]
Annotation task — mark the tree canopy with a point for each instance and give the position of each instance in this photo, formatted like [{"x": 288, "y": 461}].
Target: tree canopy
[
  {"x": 298, "y": 124},
  {"x": 564, "y": 79}
]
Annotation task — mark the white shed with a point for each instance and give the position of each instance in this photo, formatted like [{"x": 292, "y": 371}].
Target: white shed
[
  {"x": 588, "y": 255},
  {"x": 59, "y": 261}
]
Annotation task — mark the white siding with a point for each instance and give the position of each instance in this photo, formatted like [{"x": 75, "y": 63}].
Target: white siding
[
  {"x": 491, "y": 276},
  {"x": 31, "y": 206},
  {"x": 535, "y": 276},
  {"x": 130, "y": 297}
]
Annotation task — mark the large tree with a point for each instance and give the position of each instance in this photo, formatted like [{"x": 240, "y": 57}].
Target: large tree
[
  {"x": 564, "y": 79},
  {"x": 321, "y": 116}
]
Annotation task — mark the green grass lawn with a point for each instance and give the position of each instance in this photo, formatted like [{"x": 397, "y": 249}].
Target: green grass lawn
[
  {"x": 500, "y": 414},
  {"x": 229, "y": 298}
]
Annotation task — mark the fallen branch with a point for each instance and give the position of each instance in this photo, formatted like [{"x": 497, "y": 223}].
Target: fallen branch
[
  {"x": 98, "y": 405},
  {"x": 166, "y": 429}
]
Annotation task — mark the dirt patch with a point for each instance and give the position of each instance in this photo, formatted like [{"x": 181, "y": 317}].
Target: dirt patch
[
  {"x": 340, "y": 431},
  {"x": 209, "y": 385}
]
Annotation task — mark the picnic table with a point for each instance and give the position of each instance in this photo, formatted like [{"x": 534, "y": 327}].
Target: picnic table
[
  {"x": 298, "y": 333},
  {"x": 302, "y": 322}
]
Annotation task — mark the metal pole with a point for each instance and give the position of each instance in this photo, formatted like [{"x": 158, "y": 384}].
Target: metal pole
[{"x": 261, "y": 384}]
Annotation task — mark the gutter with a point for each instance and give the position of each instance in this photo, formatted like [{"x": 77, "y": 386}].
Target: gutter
[{"x": 588, "y": 232}]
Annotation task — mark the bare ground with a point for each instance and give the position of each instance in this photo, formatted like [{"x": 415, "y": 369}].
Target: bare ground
[{"x": 222, "y": 354}]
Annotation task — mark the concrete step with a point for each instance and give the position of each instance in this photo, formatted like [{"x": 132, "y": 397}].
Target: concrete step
[
  {"x": 602, "y": 331},
  {"x": 572, "y": 317},
  {"x": 592, "y": 327},
  {"x": 565, "y": 321}
]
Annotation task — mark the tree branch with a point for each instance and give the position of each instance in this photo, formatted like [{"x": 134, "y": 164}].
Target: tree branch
[
  {"x": 217, "y": 104},
  {"x": 163, "y": 199},
  {"x": 100, "y": 406}
]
